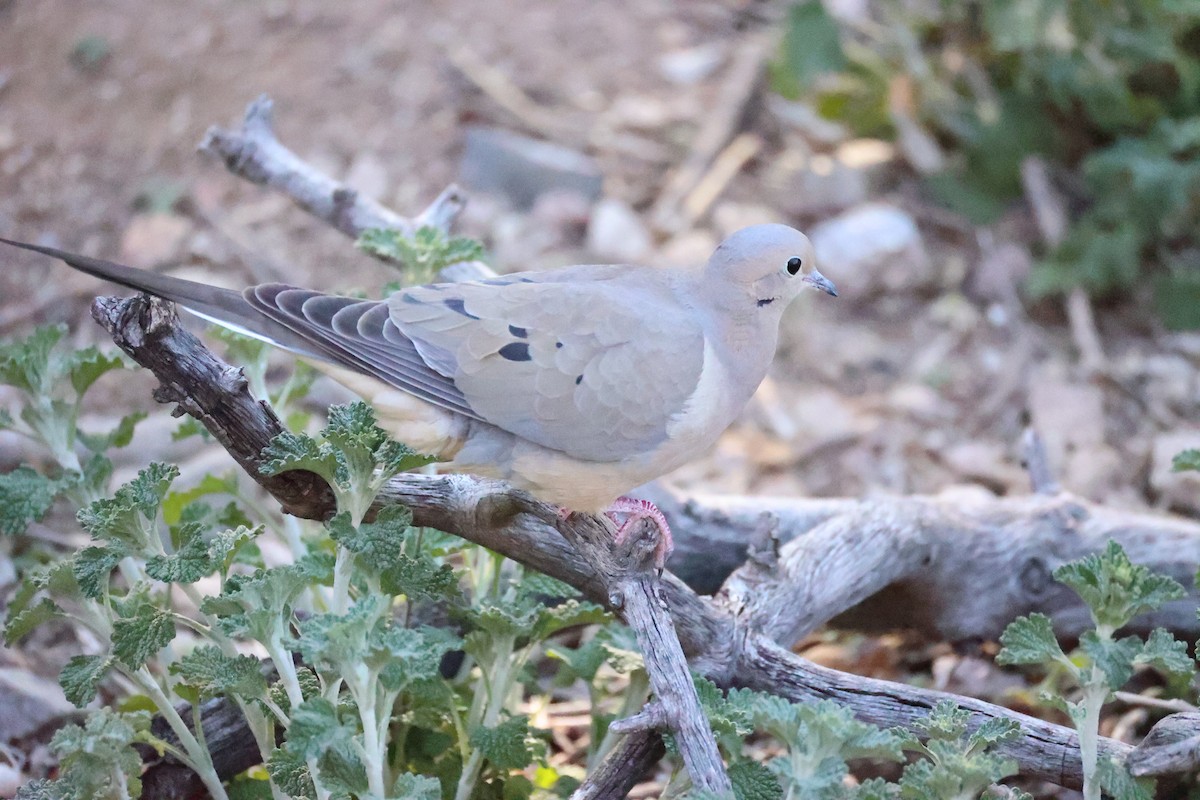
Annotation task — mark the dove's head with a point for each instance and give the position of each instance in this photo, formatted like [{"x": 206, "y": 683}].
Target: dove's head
[{"x": 774, "y": 263}]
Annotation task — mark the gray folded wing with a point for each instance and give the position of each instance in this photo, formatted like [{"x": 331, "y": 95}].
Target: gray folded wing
[
  {"x": 358, "y": 335},
  {"x": 594, "y": 362}
]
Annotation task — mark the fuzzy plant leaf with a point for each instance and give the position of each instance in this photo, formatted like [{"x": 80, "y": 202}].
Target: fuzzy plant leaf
[
  {"x": 128, "y": 516},
  {"x": 509, "y": 745},
  {"x": 210, "y": 485},
  {"x": 1119, "y": 784},
  {"x": 19, "y": 625},
  {"x": 190, "y": 562},
  {"x": 141, "y": 632},
  {"x": 416, "y": 787},
  {"x": 256, "y": 605},
  {"x": 289, "y": 771},
  {"x": 86, "y": 366},
  {"x": 92, "y": 568},
  {"x": 81, "y": 676},
  {"x": 957, "y": 763},
  {"x": 25, "y": 496},
  {"x": 1187, "y": 460},
  {"x": 212, "y": 673},
  {"x": 379, "y": 544},
  {"x": 1114, "y": 588},
  {"x": 424, "y": 253},
  {"x": 567, "y": 614},
  {"x": 26, "y": 364},
  {"x": 730, "y": 721},
  {"x": 120, "y": 436},
  {"x": 318, "y": 731},
  {"x": 355, "y": 455},
  {"x": 753, "y": 781},
  {"x": 410, "y": 657},
  {"x": 98, "y": 760},
  {"x": 1167, "y": 654},
  {"x": 1030, "y": 640}
]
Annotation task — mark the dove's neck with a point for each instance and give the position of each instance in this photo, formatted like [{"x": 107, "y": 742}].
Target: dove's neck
[{"x": 742, "y": 334}]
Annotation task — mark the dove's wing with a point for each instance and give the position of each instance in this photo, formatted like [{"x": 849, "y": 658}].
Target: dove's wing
[{"x": 591, "y": 361}]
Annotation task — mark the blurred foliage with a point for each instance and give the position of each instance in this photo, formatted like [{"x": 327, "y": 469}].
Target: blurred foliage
[{"x": 1108, "y": 92}]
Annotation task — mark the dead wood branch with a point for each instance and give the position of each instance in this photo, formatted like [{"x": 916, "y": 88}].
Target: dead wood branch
[
  {"x": 717, "y": 643},
  {"x": 958, "y": 566},
  {"x": 255, "y": 154}
]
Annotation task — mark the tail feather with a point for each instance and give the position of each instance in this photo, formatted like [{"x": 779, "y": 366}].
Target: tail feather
[{"x": 224, "y": 307}]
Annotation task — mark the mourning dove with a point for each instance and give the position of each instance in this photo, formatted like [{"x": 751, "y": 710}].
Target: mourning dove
[{"x": 577, "y": 384}]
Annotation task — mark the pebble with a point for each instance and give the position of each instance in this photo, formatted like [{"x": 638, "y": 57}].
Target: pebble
[
  {"x": 520, "y": 168},
  {"x": 1176, "y": 490},
  {"x": 616, "y": 232},
  {"x": 872, "y": 249}
]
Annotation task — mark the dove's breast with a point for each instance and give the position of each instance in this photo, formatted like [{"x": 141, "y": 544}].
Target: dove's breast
[{"x": 592, "y": 486}]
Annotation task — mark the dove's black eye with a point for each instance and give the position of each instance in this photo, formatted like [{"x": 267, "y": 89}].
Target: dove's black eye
[{"x": 794, "y": 265}]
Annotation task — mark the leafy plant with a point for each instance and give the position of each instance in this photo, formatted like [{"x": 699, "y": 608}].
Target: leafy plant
[
  {"x": 1107, "y": 92},
  {"x": 423, "y": 254},
  {"x": 1115, "y": 591},
  {"x": 369, "y": 712},
  {"x": 953, "y": 762}
]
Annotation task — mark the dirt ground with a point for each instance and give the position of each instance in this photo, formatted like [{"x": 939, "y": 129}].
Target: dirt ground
[{"x": 921, "y": 376}]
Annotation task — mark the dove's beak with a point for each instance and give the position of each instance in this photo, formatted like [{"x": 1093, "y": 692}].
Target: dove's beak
[{"x": 819, "y": 281}]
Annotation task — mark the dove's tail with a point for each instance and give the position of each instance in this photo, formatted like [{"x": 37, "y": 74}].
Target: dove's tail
[{"x": 224, "y": 307}]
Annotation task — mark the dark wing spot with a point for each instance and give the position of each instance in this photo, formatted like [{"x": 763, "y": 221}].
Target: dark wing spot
[
  {"x": 456, "y": 304},
  {"x": 578, "y": 380},
  {"x": 515, "y": 351},
  {"x": 558, "y": 345},
  {"x": 520, "y": 333},
  {"x": 766, "y": 301}
]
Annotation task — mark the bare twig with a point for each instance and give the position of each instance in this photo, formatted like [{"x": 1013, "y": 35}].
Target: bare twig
[
  {"x": 721, "y": 123},
  {"x": 623, "y": 767},
  {"x": 635, "y": 593},
  {"x": 507, "y": 94},
  {"x": 1037, "y": 464},
  {"x": 255, "y": 154},
  {"x": 651, "y": 718},
  {"x": 1050, "y": 213}
]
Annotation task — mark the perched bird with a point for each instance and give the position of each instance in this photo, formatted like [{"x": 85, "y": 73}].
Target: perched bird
[{"x": 577, "y": 384}]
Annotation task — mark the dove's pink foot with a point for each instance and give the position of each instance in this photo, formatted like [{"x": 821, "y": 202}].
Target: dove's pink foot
[{"x": 636, "y": 511}]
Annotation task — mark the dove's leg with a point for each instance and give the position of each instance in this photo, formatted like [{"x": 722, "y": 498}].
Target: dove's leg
[{"x": 636, "y": 511}]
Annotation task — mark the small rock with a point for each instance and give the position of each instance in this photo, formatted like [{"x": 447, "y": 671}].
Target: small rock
[
  {"x": 368, "y": 175},
  {"x": 873, "y": 249},
  {"x": 920, "y": 401},
  {"x": 817, "y": 183},
  {"x": 152, "y": 240},
  {"x": 687, "y": 249},
  {"x": 617, "y": 233},
  {"x": 872, "y": 158},
  {"x": 691, "y": 65},
  {"x": 1067, "y": 415},
  {"x": 730, "y": 216},
  {"x": 520, "y": 168},
  {"x": 1176, "y": 490},
  {"x": 564, "y": 212}
]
